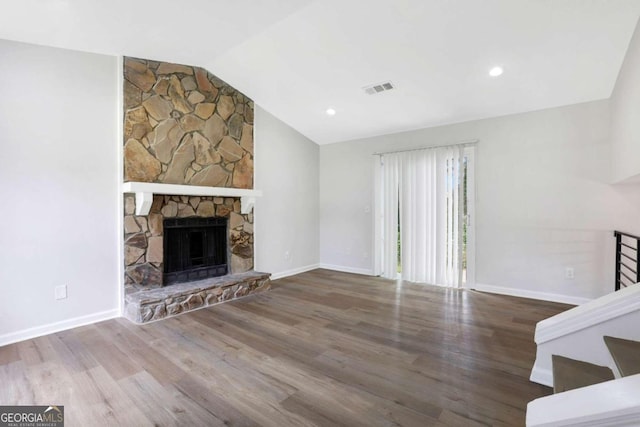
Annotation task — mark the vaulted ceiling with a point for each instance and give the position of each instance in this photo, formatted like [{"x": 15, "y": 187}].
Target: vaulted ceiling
[{"x": 297, "y": 58}]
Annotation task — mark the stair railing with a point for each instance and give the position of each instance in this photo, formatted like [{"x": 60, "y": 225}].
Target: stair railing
[{"x": 627, "y": 265}]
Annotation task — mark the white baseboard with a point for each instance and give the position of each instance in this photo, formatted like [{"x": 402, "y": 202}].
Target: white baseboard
[
  {"x": 293, "y": 271},
  {"x": 63, "y": 325},
  {"x": 524, "y": 293},
  {"x": 363, "y": 271},
  {"x": 541, "y": 376}
]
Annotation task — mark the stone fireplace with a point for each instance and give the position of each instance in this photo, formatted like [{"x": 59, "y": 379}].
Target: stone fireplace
[
  {"x": 188, "y": 163},
  {"x": 145, "y": 236}
]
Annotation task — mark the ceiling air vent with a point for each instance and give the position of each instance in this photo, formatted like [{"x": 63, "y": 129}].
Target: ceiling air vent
[{"x": 378, "y": 88}]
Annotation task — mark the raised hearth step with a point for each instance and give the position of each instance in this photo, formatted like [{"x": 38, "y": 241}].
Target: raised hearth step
[
  {"x": 626, "y": 354},
  {"x": 159, "y": 303},
  {"x": 569, "y": 374}
]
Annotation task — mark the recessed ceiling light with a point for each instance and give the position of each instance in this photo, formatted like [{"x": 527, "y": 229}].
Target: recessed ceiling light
[
  {"x": 330, "y": 112},
  {"x": 496, "y": 71}
]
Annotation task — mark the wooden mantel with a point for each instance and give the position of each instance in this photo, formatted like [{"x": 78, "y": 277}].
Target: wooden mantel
[{"x": 144, "y": 192}]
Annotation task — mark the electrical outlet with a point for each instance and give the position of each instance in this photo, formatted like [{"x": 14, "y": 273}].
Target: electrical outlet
[
  {"x": 569, "y": 273},
  {"x": 287, "y": 255},
  {"x": 365, "y": 255},
  {"x": 61, "y": 292}
]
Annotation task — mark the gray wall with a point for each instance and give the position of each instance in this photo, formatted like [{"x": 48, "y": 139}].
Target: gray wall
[
  {"x": 625, "y": 114},
  {"x": 286, "y": 221},
  {"x": 543, "y": 202},
  {"x": 59, "y": 177}
]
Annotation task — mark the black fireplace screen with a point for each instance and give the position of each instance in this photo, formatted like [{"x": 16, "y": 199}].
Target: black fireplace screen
[{"x": 194, "y": 249}]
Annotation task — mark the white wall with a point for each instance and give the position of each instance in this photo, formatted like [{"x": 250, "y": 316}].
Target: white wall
[
  {"x": 542, "y": 200},
  {"x": 286, "y": 217},
  {"x": 59, "y": 193},
  {"x": 625, "y": 111}
]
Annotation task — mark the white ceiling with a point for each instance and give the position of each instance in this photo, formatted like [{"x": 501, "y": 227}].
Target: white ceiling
[{"x": 296, "y": 58}]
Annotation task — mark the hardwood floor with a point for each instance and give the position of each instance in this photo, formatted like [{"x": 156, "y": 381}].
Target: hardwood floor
[{"x": 320, "y": 349}]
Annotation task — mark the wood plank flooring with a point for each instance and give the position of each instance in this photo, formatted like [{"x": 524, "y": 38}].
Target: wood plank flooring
[{"x": 320, "y": 349}]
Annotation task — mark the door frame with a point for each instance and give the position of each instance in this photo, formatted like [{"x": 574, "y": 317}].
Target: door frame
[{"x": 470, "y": 153}]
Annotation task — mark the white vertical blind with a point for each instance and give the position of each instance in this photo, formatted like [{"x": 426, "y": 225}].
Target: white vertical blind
[
  {"x": 390, "y": 183},
  {"x": 419, "y": 221},
  {"x": 425, "y": 188}
]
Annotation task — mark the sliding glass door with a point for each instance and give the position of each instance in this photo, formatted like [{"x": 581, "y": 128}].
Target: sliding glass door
[{"x": 424, "y": 209}]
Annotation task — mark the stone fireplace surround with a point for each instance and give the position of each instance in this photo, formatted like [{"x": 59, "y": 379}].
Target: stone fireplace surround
[
  {"x": 143, "y": 235},
  {"x": 146, "y": 299},
  {"x": 188, "y": 152}
]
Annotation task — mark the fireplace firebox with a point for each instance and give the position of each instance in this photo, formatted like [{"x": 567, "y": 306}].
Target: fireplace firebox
[{"x": 194, "y": 249}]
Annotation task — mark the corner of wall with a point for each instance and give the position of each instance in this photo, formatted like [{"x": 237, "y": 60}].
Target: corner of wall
[
  {"x": 119, "y": 174},
  {"x": 287, "y": 216}
]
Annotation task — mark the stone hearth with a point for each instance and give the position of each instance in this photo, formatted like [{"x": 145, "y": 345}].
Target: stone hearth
[{"x": 150, "y": 305}]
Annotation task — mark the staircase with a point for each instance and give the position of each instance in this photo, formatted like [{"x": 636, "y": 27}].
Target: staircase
[
  {"x": 586, "y": 394},
  {"x": 590, "y": 354},
  {"x": 626, "y": 354},
  {"x": 570, "y": 374},
  {"x": 578, "y": 333}
]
